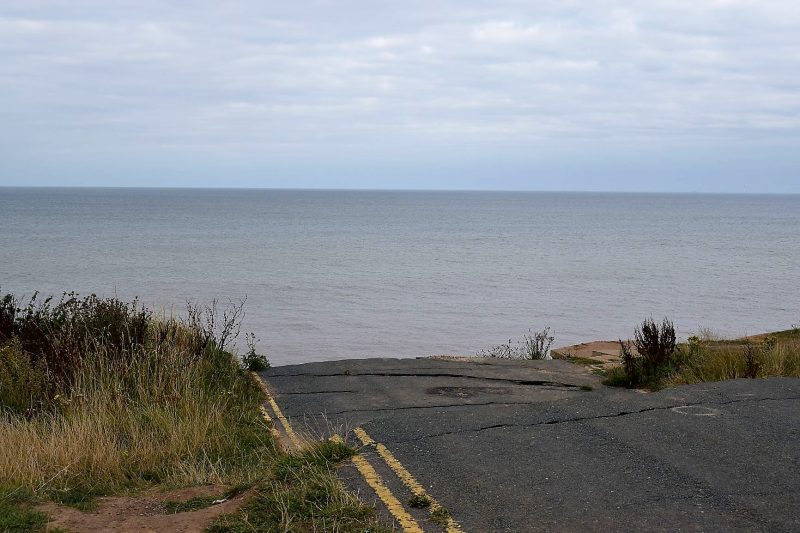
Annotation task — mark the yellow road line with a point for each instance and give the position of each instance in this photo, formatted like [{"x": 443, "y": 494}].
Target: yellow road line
[
  {"x": 396, "y": 508},
  {"x": 285, "y": 423},
  {"x": 277, "y": 410},
  {"x": 405, "y": 476},
  {"x": 272, "y": 429}
]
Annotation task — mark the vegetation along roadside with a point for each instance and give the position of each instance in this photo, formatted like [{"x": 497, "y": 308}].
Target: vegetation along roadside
[
  {"x": 103, "y": 397},
  {"x": 654, "y": 359}
]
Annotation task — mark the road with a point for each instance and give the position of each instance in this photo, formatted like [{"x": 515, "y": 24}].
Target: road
[{"x": 543, "y": 446}]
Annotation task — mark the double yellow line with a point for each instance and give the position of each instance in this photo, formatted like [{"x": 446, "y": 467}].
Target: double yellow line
[
  {"x": 451, "y": 526},
  {"x": 367, "y": 471},
  {"x": 287, "y": 427}
]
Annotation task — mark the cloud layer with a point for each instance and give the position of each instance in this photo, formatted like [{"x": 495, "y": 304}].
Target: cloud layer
[{"x": 600, "y": 95}]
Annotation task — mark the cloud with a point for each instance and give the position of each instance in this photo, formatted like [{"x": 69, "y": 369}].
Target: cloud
[{"x": 361, "y": 80}]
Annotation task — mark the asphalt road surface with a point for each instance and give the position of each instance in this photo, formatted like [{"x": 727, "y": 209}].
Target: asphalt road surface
[{"x": 543, "y": 446}]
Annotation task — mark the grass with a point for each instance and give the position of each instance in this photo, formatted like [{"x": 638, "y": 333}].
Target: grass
[
  {"x": 709, "y": 358},
  {"x": 775, "y": 354},
  {"x": 303, "y": 494},
  {"x": 419, "y": 501},
  {"x": 440, "y": 516},
  {"x": 16, "y": 515},
  {"x": 106, "y": 398},
  {"x": 583, "y": 361}
]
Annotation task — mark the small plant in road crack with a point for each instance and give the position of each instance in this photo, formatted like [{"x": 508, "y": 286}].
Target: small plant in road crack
[{"x": 419, "y": 501}]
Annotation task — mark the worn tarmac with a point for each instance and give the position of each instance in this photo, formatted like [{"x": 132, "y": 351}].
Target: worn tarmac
[{"x": 543, "y": 446}]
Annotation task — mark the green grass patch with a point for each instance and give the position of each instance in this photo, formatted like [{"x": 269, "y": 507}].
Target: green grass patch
[
  {"x": 440, "y": 516},
  {"x": 303, "y": 494},
  {"x": 614, "y": 377},
  {"x": 17, "y": 516}
]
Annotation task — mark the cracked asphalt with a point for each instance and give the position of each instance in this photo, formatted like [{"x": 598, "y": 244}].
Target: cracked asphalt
[{"x": 525, "y": 446}]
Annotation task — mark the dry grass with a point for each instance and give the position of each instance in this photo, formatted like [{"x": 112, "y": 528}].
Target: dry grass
[
  {"x": 777, "y": 354},
  {"x": 156, "y": 420},
  {"x": 106, "y": 398}
]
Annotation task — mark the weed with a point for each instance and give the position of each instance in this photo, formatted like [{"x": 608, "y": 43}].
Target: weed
[
  {"x": 252, "y": 360},
  {"x": 586, "y": 388},
  {"x": 418, "y": 501},
  {"x": 650, "y": 357},
  {"x": 534, "y": 345},
  {"x": 440, "y": 516},
  {"x": 751, "y": 362}
]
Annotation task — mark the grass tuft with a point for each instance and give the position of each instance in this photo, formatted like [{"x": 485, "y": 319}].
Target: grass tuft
[{"x": 303, "y": 494}]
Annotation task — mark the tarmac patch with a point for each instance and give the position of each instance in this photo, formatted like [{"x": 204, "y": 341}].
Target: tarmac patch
[
  {"x": 696, "y": 410},
  {"x": 467, "y": 392}
]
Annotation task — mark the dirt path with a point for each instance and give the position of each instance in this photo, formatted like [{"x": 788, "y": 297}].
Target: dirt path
[{"x": 143, "y": 513}]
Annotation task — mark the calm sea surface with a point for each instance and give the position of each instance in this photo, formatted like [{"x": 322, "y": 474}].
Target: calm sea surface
[{"x": 331, "y": 275}]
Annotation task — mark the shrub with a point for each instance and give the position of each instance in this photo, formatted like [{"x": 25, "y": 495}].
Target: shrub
[
  {"x": 252, "y": 360},
  {"x": 751, "y": 362},
  {"x": 651, "y": 355},
  {"x": 536, "y": 345}
]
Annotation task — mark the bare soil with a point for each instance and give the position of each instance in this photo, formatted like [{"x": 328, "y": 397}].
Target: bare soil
[
  {"x": 604, "y": 353},
  {"x": 143, "y": 512}
]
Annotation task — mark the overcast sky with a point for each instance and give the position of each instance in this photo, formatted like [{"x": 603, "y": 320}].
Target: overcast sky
[{"x": 677, "y": 95}]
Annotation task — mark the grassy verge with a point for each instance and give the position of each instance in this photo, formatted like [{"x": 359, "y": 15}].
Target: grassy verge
[
  {"x": 708, "y": 358},
  {"x": 774, "y": 354},
  {"x": 101, "y": 397}
]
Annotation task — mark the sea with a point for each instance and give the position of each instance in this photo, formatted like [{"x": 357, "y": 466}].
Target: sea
[{"x": 352, "y": 274}]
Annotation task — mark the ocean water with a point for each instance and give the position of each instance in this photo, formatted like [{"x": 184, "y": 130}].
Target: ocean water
[{"x": 340, "y": 274}]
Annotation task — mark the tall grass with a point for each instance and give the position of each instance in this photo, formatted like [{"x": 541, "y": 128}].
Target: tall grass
[
  {"x": 128, "y": 404},
  {"x": 715, "y": 360},
  {"x": 99, "y": 396}
]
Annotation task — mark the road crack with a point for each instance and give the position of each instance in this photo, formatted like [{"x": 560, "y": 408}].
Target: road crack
[
  {"x": 531, "y": 382},
  {"x": 409, "y": 407},
  {"x": 586, "y": 418}
]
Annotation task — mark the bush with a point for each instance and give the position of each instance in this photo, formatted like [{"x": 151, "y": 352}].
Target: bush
[
  {"x": 252, "y": 360},
  {"x": 651, "y": 356},
  {"x": 536, "y": 345}
]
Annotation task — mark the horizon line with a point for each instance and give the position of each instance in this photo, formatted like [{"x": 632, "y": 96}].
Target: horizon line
[{"x": 376, "y": 189}]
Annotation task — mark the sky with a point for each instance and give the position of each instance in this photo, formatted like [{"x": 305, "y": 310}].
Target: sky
[{"x": 657, "y": 95}]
